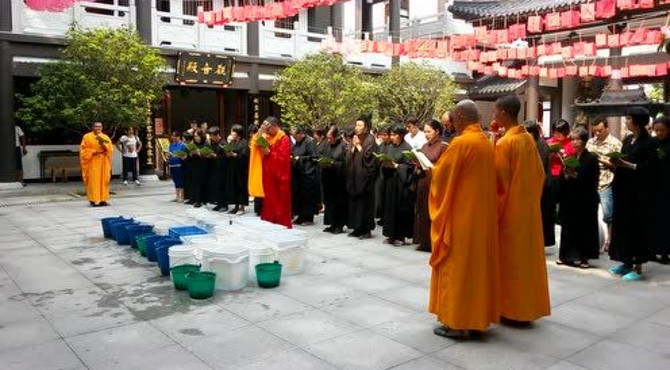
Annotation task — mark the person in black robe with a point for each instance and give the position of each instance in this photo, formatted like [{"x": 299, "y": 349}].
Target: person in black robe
[
  {"x": 321, "y": 147},
  {"x": 383, "y": 142},
  {"x": 237, "y": 170},
  {"x": 547, "y": 204},
  {"x": 398, "y": 220},
  {"x": 631, "y": 191},
  {"x": 361, "y": 172},
  {"x": 579, "y": 202},
  {"x": 199, "y": 175},
  {"x": 187, "y": 165},
  {"x": 335, "y": 183},
  {"x": 661, "y": 197},
  {"x": 258, "y": 202},
  {"x": 216, "y": 171},
  {"x": 305, "y": 185}
]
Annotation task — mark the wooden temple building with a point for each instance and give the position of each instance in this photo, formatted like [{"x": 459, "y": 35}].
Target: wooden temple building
[{"x": 603, "y": 53}]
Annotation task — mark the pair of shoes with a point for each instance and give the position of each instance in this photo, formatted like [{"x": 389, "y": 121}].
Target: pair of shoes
[
  {"x": 197, "y": 205},
  {"x": 584, "y": 265},
  {"x": 234, "y": 210},
  {"x": 446, "y": 332},
  {"x": 620, "y": 270},
  {"x": 354, "y": 234},
  {"x": 137, "y": 182},
  {"x": 240, "y": 212},
  {"x": 514, "y": 323},
  {"x": 189, "y": 201},
  {"x": 632, "y": 276},
  {"x": 307, "y": 223},
  {"x": 125, "y": 183},
  {"x": 367, "y": 235},
  {"x": 103, "y": 204},
  {"x": 337, "y": 230},
  {"x": 329, "y": 229}
]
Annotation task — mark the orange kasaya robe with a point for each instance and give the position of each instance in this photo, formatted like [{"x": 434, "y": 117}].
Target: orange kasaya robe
[
  {"x": 524, "y": 291},
  {"x": 96, "y": 166},
  {"x": 464, "y": 232},
  {"x": 270, "y": 178}
]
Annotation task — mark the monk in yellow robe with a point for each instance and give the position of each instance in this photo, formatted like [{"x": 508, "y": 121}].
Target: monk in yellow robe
[
  {"x": 464, "y": 232},
  {"x": 524, "y": 292},
  {"x": 95, "y": 154}
]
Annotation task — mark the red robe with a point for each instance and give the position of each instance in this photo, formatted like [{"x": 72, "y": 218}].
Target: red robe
[{"x": 277, "y": 183}]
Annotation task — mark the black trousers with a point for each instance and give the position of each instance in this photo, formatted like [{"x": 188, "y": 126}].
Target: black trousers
[{"x": 129, "y": 165}]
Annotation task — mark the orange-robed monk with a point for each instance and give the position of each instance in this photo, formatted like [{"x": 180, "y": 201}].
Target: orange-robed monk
[
  {"x": 95, "y": 154},
  {"x": 524, "y": 292},
  {"x": 464, "y": 232}
]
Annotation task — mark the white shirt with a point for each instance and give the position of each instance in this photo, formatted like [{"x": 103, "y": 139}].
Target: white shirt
[
  {"x": 417, "y": 141},
  {"x": 18, "y": 133},
  {"x": 129, "y": 146}
]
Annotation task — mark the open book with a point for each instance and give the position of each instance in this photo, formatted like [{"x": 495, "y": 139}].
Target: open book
[{"x": 422, "y": 159}]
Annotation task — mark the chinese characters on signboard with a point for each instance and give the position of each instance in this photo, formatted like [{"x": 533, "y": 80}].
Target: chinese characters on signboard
[{"x": 206, "y": 69}]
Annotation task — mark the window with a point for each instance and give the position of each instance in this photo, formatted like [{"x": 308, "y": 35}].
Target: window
[
  {"x": 107, "y": 11},
  {"x": 163, "y": 6},
  {"x": 190, "y": 7}
]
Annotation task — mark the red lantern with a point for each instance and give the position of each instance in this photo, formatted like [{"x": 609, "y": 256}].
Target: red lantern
[
  {"x": 639, "y": 36},
  {"x": 594, "y": 71},
  {"x": 517, "y": 31},
  {"x": 570, "y": 19},
  {"x": 503, "y": 36},
  {"x": 511, "y": 54},
  {"x": 605, "y": 9},
  {"x": 535, "y": 24},
  {"x": 551, "y": 73},
  {"x": 606, "y": 71},
  {"x": 590, "y": 49},
  {"x": 654, "y": 37},
  {"x": 531, "y": 52},
  {"x": 501, "y": 54},
  {"x": 542, "y": 50},
  {"x": 525, "y": 69},
  {"x": 624, "y": 38},
  {"x": 645, "y": 4},
  {"x": 228, "y": 14},
  {"x": 552, "y": 21},
  {"x": 544, "y": 72},
  {"x": 578, "y": 47},
  {"x": 502, "y": 71},
  {"x": 613, "y": 41},
  {"x": 571, "y": 70},
  {"x": 625, "y": 4},
  {"x": 560, "y": 72},
  {"x": 625, "y": 72},
  {"x": 601, "y": 40},
  {"x": 481, "y": 33},
  {"x": 588, "y": 12},
  {"x": 583, "y": 71},
  {"x": 567, "y": 52},
  {"x": 535, "y": 71},
  {"x": 661, "y": 69}
]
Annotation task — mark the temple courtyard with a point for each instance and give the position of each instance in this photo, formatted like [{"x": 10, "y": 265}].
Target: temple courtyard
[{"x": 69, "y": 299}]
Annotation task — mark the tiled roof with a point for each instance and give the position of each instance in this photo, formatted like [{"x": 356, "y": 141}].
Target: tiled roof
[
  {"x": 495, "y": 85},
  {"x": 503, "y": 8}
]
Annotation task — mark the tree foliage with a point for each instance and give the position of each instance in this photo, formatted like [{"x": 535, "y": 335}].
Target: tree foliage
[
  {"x": 321, "y": 90},
  {"x": 414, "y": 88},
  {"x": 105, "y": 75}
]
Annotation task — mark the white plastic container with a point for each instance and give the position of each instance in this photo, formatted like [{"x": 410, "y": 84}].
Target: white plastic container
[
  {"x": 182, "y": 255},
  {"x": 199, "y": 242},
  {"x": 260, "y": 253},
  {"x": 231, "y": 265},
  {"x": 292, "y": 259}
]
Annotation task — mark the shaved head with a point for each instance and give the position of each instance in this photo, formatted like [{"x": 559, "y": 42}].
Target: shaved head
[{"x": 464, "y": 114}]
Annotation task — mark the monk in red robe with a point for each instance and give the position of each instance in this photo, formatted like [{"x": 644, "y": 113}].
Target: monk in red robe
[
  {"x": 270, "y": 172},
  {"x": 524, "y": 291}
]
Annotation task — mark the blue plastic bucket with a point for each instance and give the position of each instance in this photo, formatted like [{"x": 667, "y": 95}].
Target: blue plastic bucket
[
  {"x": 151, "y": 246},
  {"x": 107, "y": 227},
  {"x": 122, "y": 234},
  {"x": 162, "y": 255},
  {"x": 119, "y": 227},
  {"x": 179, "y": 231},
  {"x": 135, "y": 230}
]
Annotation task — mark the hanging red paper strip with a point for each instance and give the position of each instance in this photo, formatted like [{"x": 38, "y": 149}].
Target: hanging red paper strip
[
  {"x": 255, "y": 13},
  {"x": 51, "y": 5}
]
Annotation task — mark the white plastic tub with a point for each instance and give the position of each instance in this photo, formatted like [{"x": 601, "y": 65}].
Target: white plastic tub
[
  {"x": 292, "y": 259},
  {"x": 182, "y": 255},
  {"x": 231, "y": 265},
  {"x": 260, "y": 253}
]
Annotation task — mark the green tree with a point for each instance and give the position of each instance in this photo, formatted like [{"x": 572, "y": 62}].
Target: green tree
[
  {"x": 321, "y": 90},
  {"x": 414, "y": 88},
  {"x": 105, "y": 75}
]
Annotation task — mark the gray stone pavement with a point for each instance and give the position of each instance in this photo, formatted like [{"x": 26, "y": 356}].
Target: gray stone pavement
[{"x": 71, "y": 300}]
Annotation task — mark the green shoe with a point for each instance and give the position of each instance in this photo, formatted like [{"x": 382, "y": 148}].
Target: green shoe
[
  {"x": 620, "y": 270},
  {"x": 632, "y": 276}
]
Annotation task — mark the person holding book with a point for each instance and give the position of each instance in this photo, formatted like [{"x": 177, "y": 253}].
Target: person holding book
[
  {"x": 177, "y": 153},
  {"x": 216, "y": 168},
  {"x": 660, "y": 236},
  {"x": 334, "y": 178},
  {"x": 361, "y": 170},
  {"x": 631, "y": 189},
  {"x": 305, "y": 184},
  {"x": 398, "y": 196},
  {"x": 270, "y": 172},
  {"x": 237, "y": 169},
  {"x": 578, "y": 199},
  {"x": 198, "y": 153},
  {"x": 95, "y": 155},
  {"x": 383, "y": 142},
  {"x": 520, "y": 179},
  {"x": 602, "y": 144},
  {"x": 321, "y": 148},
  {"x": 462, "y": 204},
  {"x": 433, "y": 150}
]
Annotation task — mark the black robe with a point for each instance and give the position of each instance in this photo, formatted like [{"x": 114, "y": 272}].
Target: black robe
[
  {"x": 321, "y": 150},
  {"x": 579, "y": 204},
  {"x": 660, "y": 236},
  {"x": 631, "y": 190},
  {"x": 237, "y": 174},
  {"x": 335, "y": 185},
  {"x": 379, "y": 186},
  {"x": 398, "y": 220},
  {"x": 547, "y": 203},
  {"x": 199, "y": 177},
  {"x": 217, "y": 192},
  {"x": 187, "y": 166},
  {"x": 361, "y": 174},
  {"x": 304, "y": 180},
  {"x": 422, "y": 223}
]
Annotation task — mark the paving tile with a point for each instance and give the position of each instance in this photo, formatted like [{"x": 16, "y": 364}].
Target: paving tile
[
  {"x": 200, "y": 322},
  {"x": 426, "y": 363},
  {"x": 609, "y": 355},
  {"x": 593, "y": 320},
  {"x": 661, "y": 317},
  {"x": 483, "y": 355},
  {"x": 294, "y": 360},
  {"x": 115, "y": 343},
  {"x": 368, "y": 311},
  {"x": 564, "y": 365},
  {"x": 416, "y": 272},
  {"x": 14, "y": 308},
  {"x": 260, "y": 305},
  {"x": 621, "y": 304},
  {"x": 645, "y": 335},
  {"x": 372, "y": 282},
  {"x": 308, "y": 327},
  {"x": 27, "y": 332},
  {"x": 52, "y": 355},
  {"x": 363, "y": 350},
  {"x": 413, "y": 296},
  {"x": 173, "y": 357},
  {"x": 80, "y": 321},
  {"x": 237, "y": 348},
  {"x": 416, "y": 331},
  {"x": 319, "y": 293}
]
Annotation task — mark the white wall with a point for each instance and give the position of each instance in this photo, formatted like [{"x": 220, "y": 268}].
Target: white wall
[
  {"x": 31, "y": 162},
  {"x": 422, "y": 8}
]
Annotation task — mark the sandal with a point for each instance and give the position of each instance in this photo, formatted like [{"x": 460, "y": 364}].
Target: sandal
[
  {"x": 584, "y": 265},
  {"x": 561, "y": 263}
]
